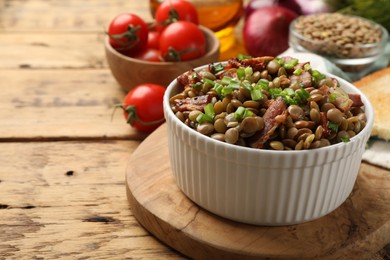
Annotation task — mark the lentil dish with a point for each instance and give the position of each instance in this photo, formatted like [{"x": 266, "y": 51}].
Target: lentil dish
[
  {"x": 338, "y": 35},
  {"x": 268, "y": 103}
]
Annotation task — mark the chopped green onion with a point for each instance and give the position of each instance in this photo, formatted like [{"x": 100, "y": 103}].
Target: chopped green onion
[
  {"x": 218, "y": 88},
  {"x": 230, "y": 82},
  {"x": 227, "y": 90},
  {"x": 345, "y": 139},
  {"x": 234, "y": 84},
  {"x": 240, "y": 73},
  {"x": 217, "y": 68},
  {"x": 197, "y": 85},
  {"x": 280, "y": 61},
  {"x": 248, "y": 71},
  {"x": 226, "y": 80},
  {"x": 194, "y": 75},
  {"x": 275, "y": 92},
  {"x": 290, "y": 64},
  {"x": 247, "y": 85},
  {"x": 317, "y": 76},
  {"x": 239, "y": 114},
  {"x": 248, "y": 113},
  {"x": 289, "y": 91},
  {"x": 256, "y": 94},
  {"x": 209, "y": 110},
  {"x": 303, "y": 94},
  {"x": 290, "y": 96},
  {"x": 298, "y": 71},
  {"x": 291, "y": 100},
  {"x": 332, "y": 97},
  {"x": 201, "y": 118},
  {"x": 242, "y": 112},
  {"x": 334, "y": 127},
  {"x": 263, "y": 83},
  {"x": 209, "y": 81},
  {"x": 307, "y": 66},
  {"x": 243, "y": 57}
]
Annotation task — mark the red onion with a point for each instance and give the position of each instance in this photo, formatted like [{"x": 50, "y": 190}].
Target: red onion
[
  {"x": 301, "y": 7},
  {"x": 266, "y": 31},
  {"x": 292, "y": 5},
  {"x": 313, "y": 6},
  {"x": 256, "y": 4}
]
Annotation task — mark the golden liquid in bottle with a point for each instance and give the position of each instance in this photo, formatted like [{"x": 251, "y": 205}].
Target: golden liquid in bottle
[{"x": 221, "y": 16}]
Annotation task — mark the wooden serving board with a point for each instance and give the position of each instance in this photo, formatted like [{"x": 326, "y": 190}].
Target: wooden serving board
[{"x": 359, "y": 228}]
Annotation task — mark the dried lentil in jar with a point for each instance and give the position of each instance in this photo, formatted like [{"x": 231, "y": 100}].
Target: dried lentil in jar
[
  {"x": 338, "y": 35},
  {"x": 242, "y": 109}
]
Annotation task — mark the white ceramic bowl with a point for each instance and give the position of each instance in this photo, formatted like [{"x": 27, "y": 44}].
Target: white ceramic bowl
[{"x": 264, "y": 187}]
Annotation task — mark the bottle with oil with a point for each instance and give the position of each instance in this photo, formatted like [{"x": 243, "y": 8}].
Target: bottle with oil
[{"x": 221, "y": 16}]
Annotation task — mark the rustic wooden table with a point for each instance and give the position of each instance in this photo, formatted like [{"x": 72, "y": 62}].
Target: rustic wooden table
[{"x": 62, "y": 158}]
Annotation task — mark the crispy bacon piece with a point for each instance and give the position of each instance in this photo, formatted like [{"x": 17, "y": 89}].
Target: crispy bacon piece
[
  {"x": 194, "y": 103},
  {"x": 341, "y": 99},
  {"x": 303, "y": 80},
  {"x": 356, "y": 100},
  {"x": 257, "y": 64},
  {"x": 229, "y": 73},
  {"x": 275, "y": 115},
  {"x": 189, "y": 77}
]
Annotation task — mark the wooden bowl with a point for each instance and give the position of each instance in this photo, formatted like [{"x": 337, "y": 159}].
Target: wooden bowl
[{"x": 130, "y": 72}]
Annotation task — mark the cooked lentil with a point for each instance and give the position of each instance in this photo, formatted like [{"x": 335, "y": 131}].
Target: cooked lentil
[
  {"x": 251, "y": 111},
  {"x": 337, "y": 35}
]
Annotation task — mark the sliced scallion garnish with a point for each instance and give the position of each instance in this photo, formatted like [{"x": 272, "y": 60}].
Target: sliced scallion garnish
[
  {"x": 333, "y": 126},
  {"x": 215, "y": 68}
]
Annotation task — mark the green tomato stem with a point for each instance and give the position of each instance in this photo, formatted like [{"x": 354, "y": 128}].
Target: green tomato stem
[{"x": 132, "y": 116}]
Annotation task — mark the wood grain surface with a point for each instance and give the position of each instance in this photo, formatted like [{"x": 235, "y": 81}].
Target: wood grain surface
[
  {"x": 360, "y": 227},
  {"x": 62, "y": 104},
  {"x": 66, "y": 200},
  {"x": 62, "y": 158}
]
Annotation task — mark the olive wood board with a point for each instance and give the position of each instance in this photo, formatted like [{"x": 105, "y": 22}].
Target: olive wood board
[{"x": 359, "y": 228}]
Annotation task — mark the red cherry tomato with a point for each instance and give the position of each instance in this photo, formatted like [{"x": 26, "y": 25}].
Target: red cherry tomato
[
  {"x": 128, "y": 32},
  {"x": 175, "y": 10},
  {"x": 143, "y": 107},
  {"x": 153, "y": 38},
  {"x": 182, "y": 41},
  {"x": 148, "y": 55}
]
